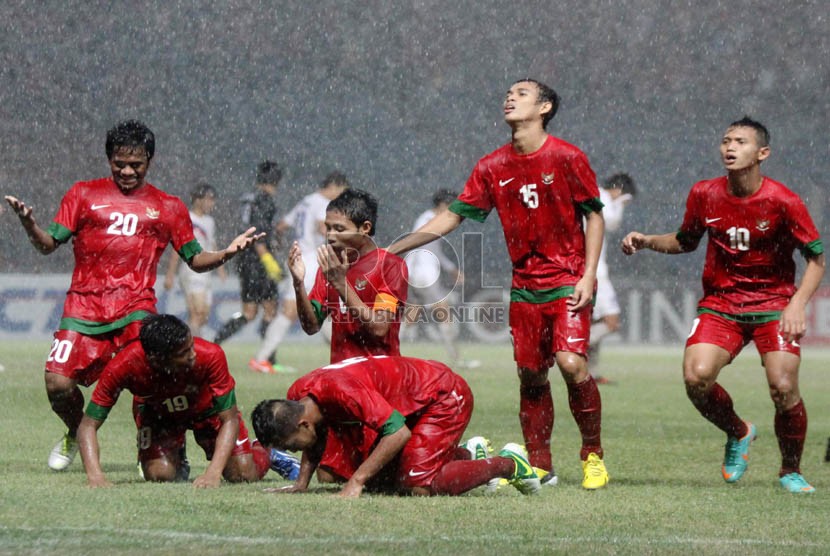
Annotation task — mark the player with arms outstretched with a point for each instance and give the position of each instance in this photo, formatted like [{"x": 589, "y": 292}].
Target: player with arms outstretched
[
  {"x": 542, "y": 188},
  {"x": 753, "y": 224},
  {"x": 119, "y": 227}
]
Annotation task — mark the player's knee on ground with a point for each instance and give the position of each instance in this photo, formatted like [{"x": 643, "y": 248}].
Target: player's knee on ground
[
  {"x": 326, "y": 476},
  {"x": 159, "y": 470},
  {"x": 240, "y": 469}
]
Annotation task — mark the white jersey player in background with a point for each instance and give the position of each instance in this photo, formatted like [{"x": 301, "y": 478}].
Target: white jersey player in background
[
  {"x": 197, "y": 285},
  {"x": 428, "y": 300},
  {"x": 306, "y": 223},
  {"x": 615, "y": 194}
]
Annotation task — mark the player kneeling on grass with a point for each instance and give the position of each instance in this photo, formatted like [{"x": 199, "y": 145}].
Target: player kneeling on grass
[
  {"x": 178, "y": 383},
  {"x": 398, "y": 422}
]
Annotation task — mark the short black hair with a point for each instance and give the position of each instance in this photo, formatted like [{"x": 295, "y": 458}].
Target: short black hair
[
  {"x": 359, "y": 206},
  {"x": 443, "y": 196},
  {"x": 622, "y": 181},
  {"x": 335, "y": 178},
  {"x": 546, "y": 94},
  {"x": 760, "y": 129},
  {"x": 130, "y": 134},
  {"x": 268, "y": 172},
  {"x": 202, "y": 190},
  {"x": 161, "y": 335},
  {"x": 275, "y": 420}
]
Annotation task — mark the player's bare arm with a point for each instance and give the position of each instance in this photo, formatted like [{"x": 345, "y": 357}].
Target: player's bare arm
[
  {"x": 90, "y": 452},
  {"x": 441, "y": 225},
  {"x": 225, "y": 440},
  {"x": 584, "y": 288},
  {"x": 793, "y": 322},
  {"x": 388, "y": 447},
  {"x": 41, "y": 240},
  {"x": 308, "y": 465},
  {"x": 170, "y": 275},
  {"x": 665, "y": 243},
  {"x": 208, "y": 260}
]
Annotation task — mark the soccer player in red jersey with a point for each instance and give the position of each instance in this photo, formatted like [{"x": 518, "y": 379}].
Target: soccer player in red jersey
[
  {"x": 754, "y": 224},
  {"x": 417, "y": 410},
  {"x": 541, "y": 187},
  {"x": 178, "y": 383},
  {"x": 360, "y": 287},
  {"x": 119, "y": 227}
]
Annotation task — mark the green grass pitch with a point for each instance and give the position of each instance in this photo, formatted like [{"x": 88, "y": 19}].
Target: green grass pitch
[{"x": 666, "y": 495}]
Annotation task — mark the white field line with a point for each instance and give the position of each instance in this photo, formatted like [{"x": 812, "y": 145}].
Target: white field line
[{"x": 167, "y": 535}]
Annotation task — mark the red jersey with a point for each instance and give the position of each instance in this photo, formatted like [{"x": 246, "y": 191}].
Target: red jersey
[
  {"x": 380, "y": 280},
  {"x": 206, "y": 389},
  {"x": 369, "y": 390},
  {"x": 118, "y": 238},
  {"x": 540, "y": 198},
  {"x": 749, "y": 257}
]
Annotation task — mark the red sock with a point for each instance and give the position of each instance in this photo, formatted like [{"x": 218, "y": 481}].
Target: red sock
[
  {"x": 716, "y": 406},
  {"x": 791, "y": 429},
  {"x": 459, "y": 476},
  {"x": 536, "y": 419},
  {"x": 586, "y": 407},
  {"x": 262, "y": 460}
]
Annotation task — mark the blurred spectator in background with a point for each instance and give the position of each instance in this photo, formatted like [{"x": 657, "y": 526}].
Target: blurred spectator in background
[
  {"x": 305, "y": 224},
  {"x": 615, "y": 194},
  {"x": 259, "y": 272},
  {"x": 197, "y": 285},
  {"x": 428, "y": 298}
]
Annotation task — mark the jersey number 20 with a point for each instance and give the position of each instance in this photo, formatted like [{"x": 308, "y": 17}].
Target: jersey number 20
[{"x": 123, "y": 224}]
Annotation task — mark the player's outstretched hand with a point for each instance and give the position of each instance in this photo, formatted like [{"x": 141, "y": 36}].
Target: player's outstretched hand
[
  {"x": 351, "y": 490},
  {"x": 205, "y": 481},
  {"x": 290, "y": 489},
  {"x": 244, "y": 241},
  {"x": 633, "y": 242},
  {"x": 98, "y": 482},
  {"x": 296, "y": 264},
  {"x": 19, "y": 207}
]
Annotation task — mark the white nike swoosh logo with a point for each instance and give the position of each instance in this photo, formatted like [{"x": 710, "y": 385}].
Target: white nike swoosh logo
[
  {"x": 570, "y": 340},
  {"x": 96, "y": 207},
  {"x": 241, "y": 442},
  {"x": 710, "y": 220},
  {"x": 502, "y": 183},
  {"x": 416, "y": 473}
]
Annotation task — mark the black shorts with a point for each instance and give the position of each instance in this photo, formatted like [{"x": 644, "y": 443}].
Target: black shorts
[{"x": 254, "y": 284}]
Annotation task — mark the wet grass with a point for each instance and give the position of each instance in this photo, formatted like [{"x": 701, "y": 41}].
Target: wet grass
[{"x": 666, "y": 494}]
